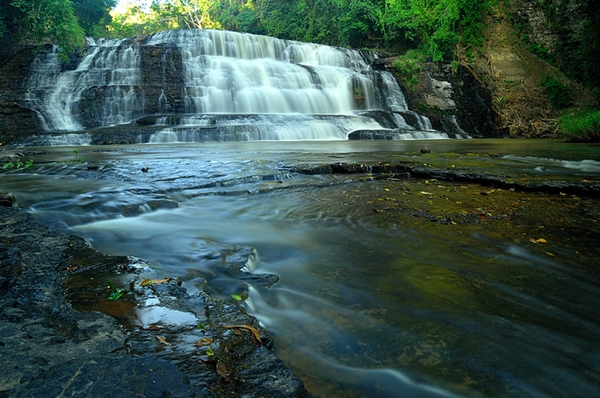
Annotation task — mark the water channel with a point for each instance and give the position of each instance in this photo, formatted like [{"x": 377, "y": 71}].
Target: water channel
[{"x": 388, "y": 287}]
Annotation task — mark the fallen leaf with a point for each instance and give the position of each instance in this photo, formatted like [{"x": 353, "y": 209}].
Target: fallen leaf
[
  {"x": 151, "y": 327},
  {"x": 255, "y": 334},
  {"x": 162, "y": 340},
  {"x": 425, "y": 193},
  {"x": 222, "y": 371},
  {"x": 550, "y": 254},
  {"x": 203, "y": 342},
  {"x": 210, "y": 352},
  {"x": 147, "y": 282},
  {"x": 236, "y": 297}
]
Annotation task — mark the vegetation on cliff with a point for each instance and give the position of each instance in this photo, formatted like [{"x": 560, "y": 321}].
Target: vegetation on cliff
[{"x": 62, "y": 22}]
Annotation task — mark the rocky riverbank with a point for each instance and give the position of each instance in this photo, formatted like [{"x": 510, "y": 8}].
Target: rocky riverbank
[{"x": 57, "y": 339}]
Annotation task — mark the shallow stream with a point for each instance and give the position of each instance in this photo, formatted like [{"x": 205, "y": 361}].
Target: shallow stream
[{"x": 388, "y": 287}]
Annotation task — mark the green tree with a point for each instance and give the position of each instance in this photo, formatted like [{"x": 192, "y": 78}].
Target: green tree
[
  {"x": 430, "y": 24},
  {"x": 93, "y": 15},
  {"x": 44, "y": 21},
  {"x": 236, "y": 15},
  {"x": 163, "y": 15}
]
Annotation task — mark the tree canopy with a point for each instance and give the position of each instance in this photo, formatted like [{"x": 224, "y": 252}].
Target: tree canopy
[{"x": 62, "y": 22}]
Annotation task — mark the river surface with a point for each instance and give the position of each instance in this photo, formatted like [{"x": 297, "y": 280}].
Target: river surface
[{"x": 392, "y": 287}]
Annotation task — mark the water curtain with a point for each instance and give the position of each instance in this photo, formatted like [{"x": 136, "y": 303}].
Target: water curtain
[{"x": 206, "y": 85}]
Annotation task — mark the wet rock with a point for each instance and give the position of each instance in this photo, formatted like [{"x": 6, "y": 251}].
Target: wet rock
[
  {"x": 48, "y": 348},
  {"x": 7, "y": 200},
  {"x": 110, "y": 377},
  {"x": 390, "y": 170}
]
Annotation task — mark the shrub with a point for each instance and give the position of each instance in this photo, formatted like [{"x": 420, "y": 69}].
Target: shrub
[
  {"x": 557, "y": 92},
  {"x": 581, "y": 127},
  {"x": 409, "y": 68}
]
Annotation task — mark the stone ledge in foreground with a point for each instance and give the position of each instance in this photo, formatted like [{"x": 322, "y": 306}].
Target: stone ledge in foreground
[{"x": 49, "y": 349}]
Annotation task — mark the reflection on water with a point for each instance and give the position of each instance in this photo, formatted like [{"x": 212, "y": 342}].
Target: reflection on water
[{"x": 389, "y": 288}]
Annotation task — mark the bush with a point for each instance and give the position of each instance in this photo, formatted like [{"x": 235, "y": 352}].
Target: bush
[
  {"x": 581, "y": 127},
  {"x": 557, "y": 92},
  {"x": 409, "y": 68}
]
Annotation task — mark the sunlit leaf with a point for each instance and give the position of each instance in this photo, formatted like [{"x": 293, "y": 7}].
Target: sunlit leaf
[
  {"x": 540, "y": 240},
  {"x": 162, "y": 340},
  {"x": 236, "y": 297},
  {"x": 147, "y": 282},
  {"x": 203, "y": 342},
  {"x": 210, "y": 352}
]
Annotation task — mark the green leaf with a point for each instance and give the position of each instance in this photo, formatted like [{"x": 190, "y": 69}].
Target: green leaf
[
  {"x": 116, "y": 294},
  {"x": 237, "y": 297}
]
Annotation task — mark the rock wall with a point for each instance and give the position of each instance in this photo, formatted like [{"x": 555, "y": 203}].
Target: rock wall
[
  {"x": 547, "y": 22},
  {"x": 453, "y": 99},
  {"x": 15, "y": 119}
]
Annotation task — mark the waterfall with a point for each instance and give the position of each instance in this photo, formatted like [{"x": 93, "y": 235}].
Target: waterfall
[
  {"x": 199, "y": 85},
  {"x": 110, "y": 69}
]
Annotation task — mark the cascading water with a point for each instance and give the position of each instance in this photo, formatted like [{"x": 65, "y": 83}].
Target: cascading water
[
  {"x": 61, "y": 96},
  {"x": 205, "y": 85}
]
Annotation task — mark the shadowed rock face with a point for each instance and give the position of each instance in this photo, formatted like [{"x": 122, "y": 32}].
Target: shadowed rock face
[
  {"x": 454, "y": 101},
  {"x": 49, "y": 349}
]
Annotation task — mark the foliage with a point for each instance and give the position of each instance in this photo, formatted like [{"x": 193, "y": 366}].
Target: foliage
[
  {"x": 575, "y": 51},
  {"x": 163, "y": 15},
  {"x": 93, "y": 15},
  {"x": 581, "y": 127},
  {"x": 38, "y": 21},
  {"x": 408, "y": 67},
  {"x": 115, "y": 293},
  {"x": 18, "y": 165},
  {"x": 558, "y": 93},
  {"x": 61, "y": 22}
]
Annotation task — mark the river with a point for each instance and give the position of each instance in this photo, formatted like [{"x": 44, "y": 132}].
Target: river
[{"x": 387, "y": 287}]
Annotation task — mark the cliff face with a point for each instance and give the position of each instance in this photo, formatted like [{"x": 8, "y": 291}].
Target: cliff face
[{"x": 15, "y": 119}]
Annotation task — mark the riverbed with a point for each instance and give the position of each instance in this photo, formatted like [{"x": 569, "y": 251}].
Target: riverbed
[{"x": 371, "y": 284}]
